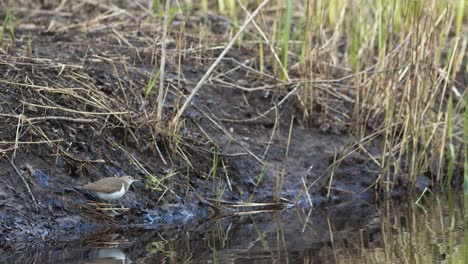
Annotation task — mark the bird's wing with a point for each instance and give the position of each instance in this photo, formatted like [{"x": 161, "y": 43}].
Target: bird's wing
[{"x": 98, "y": 186}]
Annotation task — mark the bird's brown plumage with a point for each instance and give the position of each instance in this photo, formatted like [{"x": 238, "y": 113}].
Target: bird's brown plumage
[{"x": 109, "y": 184}]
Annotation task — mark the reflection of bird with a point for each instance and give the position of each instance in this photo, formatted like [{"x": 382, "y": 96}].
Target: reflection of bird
[
  {"x": 108, "y": 256},
  {"x": 110, "y": 188}
]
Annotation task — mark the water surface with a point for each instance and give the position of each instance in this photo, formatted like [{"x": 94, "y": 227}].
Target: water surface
[{"x": 431, "y": 231}]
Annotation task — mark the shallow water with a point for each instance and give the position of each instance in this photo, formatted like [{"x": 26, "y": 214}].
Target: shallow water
[{"x": 432, "y": 231}]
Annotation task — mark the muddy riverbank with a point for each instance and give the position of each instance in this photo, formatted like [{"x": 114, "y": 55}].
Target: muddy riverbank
[{"x": 75, "y": 107}]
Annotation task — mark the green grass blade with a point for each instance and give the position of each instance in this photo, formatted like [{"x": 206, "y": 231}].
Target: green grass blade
[{"x": 151, "y": 83}]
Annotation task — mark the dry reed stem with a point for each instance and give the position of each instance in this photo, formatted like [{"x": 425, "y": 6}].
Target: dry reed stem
[{"x": 161, "y": 93}]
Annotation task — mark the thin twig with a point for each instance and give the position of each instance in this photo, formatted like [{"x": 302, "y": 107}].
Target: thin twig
[
  {"x": 25, "y": 183},
  {"x": 175, "y": 121}
]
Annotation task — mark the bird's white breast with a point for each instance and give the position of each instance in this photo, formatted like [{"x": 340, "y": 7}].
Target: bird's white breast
[{"x": 112, "y": 196}]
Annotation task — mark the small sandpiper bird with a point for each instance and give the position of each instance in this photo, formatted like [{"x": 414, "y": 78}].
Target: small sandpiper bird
[{"x": 110, "y": 188}]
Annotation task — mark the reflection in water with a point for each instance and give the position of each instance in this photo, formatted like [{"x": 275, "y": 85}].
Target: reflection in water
[
  {"x": 430, "y": 232},
  {"x": 108, "y": 255}
]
